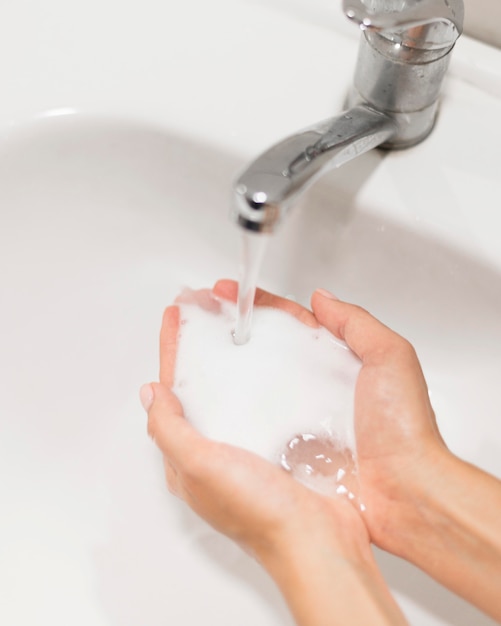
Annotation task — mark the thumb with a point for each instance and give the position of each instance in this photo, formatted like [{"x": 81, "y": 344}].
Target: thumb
[
  {"x": 363, "y": 333},
  {"x": 167, "y": 425}
]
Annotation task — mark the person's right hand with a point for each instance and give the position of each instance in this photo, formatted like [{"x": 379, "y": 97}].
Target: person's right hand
[{"x": 422, "y": 502}]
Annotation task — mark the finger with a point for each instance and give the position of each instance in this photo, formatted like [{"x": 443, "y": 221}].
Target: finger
[
  {"x": 267, "y": 299},
  {"x": 369, "y": 339},
  {"x": 228, "y": 290},
  {"x": 204, "y": 298},
  {"x": 168, "y": 428},
  {"x": 168, "y": 345},
  {"x": 390, "y": 363}
]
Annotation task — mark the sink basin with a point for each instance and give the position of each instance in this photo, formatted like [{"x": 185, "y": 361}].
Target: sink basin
[{"x": 115, "y": 170}]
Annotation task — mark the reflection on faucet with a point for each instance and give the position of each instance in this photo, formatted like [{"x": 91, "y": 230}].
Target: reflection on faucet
[
  {"x": 270, "y": 184},
  {"x": 404, "y": 55}
]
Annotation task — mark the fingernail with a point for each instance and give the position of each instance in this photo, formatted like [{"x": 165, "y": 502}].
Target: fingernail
[
  {"x": 146, "y": 396},
  {"x": 327, "y": 294}
]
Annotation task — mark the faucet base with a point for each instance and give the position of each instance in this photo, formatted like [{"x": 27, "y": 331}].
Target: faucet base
[
  {"x": 412, "y": 128},
  {"x": 401, "y": 82}
]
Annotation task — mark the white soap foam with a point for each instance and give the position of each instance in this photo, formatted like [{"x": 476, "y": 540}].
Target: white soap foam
[{"x": 288, "y": 381}]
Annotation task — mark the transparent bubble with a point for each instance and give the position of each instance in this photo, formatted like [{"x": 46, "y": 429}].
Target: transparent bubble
[{"x": 323, "y": 464}]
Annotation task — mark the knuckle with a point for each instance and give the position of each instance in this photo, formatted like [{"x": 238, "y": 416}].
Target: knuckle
[{"x": 403, "y": 349}]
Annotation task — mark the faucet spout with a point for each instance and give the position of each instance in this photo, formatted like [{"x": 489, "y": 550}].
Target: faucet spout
[
  {"x": 270, "y": 184},
  {"x": 403, "y": 57}
]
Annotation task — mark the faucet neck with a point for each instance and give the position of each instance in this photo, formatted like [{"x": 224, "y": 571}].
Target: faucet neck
[{"x": 272, "y": 182}]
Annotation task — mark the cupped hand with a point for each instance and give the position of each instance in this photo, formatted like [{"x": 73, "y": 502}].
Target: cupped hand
[{"x": 240, "y": 494}]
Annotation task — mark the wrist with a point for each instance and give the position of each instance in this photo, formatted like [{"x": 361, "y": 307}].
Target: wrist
[
  {"x": 326, "y": 568},
  {"x": 321, "y": 524},
  {"x": 425, "y": 507},
  {"x": 448, "y": 526},
  {"x": 323, "y": 585},
  {"x": 400, "y": 509}
]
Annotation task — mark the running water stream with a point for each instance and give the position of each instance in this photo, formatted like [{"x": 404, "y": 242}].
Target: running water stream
[{"x": 253, "y": 249}]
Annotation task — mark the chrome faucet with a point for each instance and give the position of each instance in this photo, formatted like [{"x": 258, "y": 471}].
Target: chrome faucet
[{"x": 403, "y": 57}]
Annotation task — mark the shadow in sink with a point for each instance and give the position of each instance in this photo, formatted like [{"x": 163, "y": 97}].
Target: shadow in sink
[
  {"x": 425, "y": 289},
  {"x": 103, "y": 223}
]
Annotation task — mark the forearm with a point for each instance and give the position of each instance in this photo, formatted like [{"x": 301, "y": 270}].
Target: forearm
[
  {"x": 324, "y": 588},
  {"x": 452, "y": 530}
]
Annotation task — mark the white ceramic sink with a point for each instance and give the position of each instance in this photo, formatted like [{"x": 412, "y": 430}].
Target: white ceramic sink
[{"x": 118, "y": 145}]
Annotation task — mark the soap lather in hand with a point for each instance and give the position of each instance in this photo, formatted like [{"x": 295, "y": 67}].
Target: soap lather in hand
[{"x": 287, "y": 395}]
